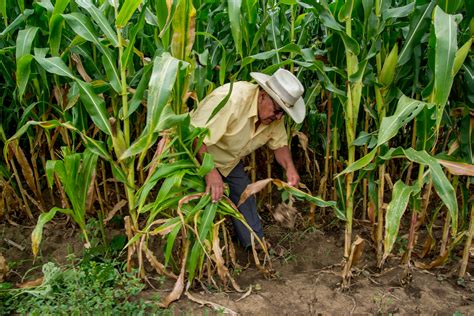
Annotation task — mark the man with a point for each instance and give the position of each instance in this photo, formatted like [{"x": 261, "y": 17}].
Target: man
[{"x": 251, "y": 118}]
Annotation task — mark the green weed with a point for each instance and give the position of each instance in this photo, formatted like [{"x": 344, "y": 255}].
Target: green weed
[{"x": 98, "y": 288}]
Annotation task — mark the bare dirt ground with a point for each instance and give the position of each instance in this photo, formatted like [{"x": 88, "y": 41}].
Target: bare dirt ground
[{"x": 307, "y": 279}]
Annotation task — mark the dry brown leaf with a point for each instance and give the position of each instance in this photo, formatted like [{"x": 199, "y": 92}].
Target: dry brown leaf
[
  {"x": 159, "y": 267},
  {"x": 304, "y": 144},
  {"x": 222, "y": 270},
  {"x": 433, "y": 264},
  {"x": 252, "y": 189},
  {"x": 215, "y": 306},
  {"x": 80, "y": 68},
  {"x": 3, "y": 268},
  {"x": 458, "y": 168},
  {"x": 357, "y": 249},
  {"x": 25, "y": 168},
  {"x": 114, "y": 211},
  {"x": 29, "y": 284},
  {"x": 179, "y": 285},
  {"x": 91, "y": 192}
]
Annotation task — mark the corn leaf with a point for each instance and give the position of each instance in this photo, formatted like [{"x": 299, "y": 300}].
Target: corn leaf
[
  {"x": 441, "y": 183},
  {"x": 395, "y": 210},
  {"x": 95, "y": 106},
  {"x": 418, "y": 26},
  {"x": 234, "y": 7},
  {"x": 24, "y": 41},
  {"x": 445, "y": 28},
  {"x": 37, "y": 234},
  {"x": 126, "y": 11},
  {"x": 407, "y": 110},
  {"x": 100, "y": 20},
  {"x": 205, "y": 225},
  {"x": 55, "y": 65},
  {"x": 183, "y": 24},
  {"x": 207, "y": 165},
  {"x": 23, "y": 71},
  {"x": 82, "y": 26},
  {"x": 55, "y": 33},
  {"x": 163, "y": 77}
]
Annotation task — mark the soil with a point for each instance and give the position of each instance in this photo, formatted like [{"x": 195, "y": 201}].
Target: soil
[{"x": 307, "y": 280}]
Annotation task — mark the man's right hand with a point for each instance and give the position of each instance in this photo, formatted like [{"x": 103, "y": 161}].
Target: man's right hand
[{"x": 214, "y": 185}]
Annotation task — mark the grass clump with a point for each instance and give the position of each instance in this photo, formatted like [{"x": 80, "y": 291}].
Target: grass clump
[{"x": 89, "y": 288}]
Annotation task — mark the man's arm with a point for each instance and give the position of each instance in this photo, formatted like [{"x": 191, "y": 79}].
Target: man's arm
[
  {"x": 283, "y": 156},
  {"x": 214, "y": 182}
]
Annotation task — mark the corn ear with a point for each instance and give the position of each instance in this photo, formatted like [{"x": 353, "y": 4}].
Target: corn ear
[{"x": 388, "y": 70}]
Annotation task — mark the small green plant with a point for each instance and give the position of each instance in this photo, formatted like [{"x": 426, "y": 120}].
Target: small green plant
[{"x": 84, "y": 289}]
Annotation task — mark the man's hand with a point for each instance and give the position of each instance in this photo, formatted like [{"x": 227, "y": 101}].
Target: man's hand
[
  {"x": 214, "y": 185},
  {"x": 283, "y": 156},
  {"x": 293, "y": 177}
]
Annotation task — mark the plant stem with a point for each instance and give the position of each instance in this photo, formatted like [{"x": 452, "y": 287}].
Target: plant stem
[{"x": 467, "y": 246}]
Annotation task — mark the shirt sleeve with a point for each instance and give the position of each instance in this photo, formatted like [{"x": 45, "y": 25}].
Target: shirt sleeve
[
  {"x": 218, "y": 124},
  {"x": 279, "y": 137}
]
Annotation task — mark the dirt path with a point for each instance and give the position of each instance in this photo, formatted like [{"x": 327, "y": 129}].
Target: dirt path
[{"x": 306, "y": 281}]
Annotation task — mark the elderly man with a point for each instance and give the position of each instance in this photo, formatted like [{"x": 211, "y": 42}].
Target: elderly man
[{"x": 251, "y": 118}]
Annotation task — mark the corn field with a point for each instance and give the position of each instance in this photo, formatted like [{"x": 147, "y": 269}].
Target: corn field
[{"x": 94, "y": 122}]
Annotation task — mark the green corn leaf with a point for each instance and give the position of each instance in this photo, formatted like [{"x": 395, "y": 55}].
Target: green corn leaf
[
  {"x": 234, "y": 7},
  {"x": 17, "y": 22},
  {"x": 100, "y": 20},
  {"x": 346, "y": 11},
  {"x": 170, "y": 242},
  {"x": 445, "y": 50},
  {"x": 169, "y": 119},
  {"x": 207, "y": 165},
  {"x": 60, "y": 6},
  {"x": 441, "y": 183},
  {"x": 183, "y": 30},
  {"x": 126, "y": 11},
  {"x": 51, "y": 166},
  {"x": 418, "y": 26},
  {"x": 407, "y": 110},
  {"x": 461, "y": 55},
  {"x": 167, "y": 186},
  {"x": 350, "y": 43},
  {"x": 43, "y": 219},
  {"x": 56, "y": 24},
  {"x": 163, "y": 77},
  {"x": 3, "y": 11},
  {"x": 399, "y": 12},
  {"x": 23, "y": 71},
  {"x": 95, "y": 106},
  {"x": 97, "y": 147},
  {"x": 111, "y": 70},
  {"x": 55, "y": 65},
  {"x": 24, "y": 41},
  {"x": 82, "y": 26},
  {"x": 139, "y": 145},
  {"x": 395, "y": 210},
  {"x": 128, "y": 53},
  {"x": 206, "y": 222},
  {"x": 361, "y": 163},
  {"x": 139, "y": 92}
]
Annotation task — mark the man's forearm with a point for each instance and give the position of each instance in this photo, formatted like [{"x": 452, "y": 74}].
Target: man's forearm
[{"x": 283, "y": 156}]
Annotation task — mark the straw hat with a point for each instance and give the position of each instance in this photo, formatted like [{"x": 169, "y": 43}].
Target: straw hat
[{"x": 286, "y": 90}]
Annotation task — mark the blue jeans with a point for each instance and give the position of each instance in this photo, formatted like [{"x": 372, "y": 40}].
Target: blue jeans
[{"x": 238, "y": 181}]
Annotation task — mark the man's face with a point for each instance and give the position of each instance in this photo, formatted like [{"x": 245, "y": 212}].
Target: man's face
[{"x": 268, "y": 110}]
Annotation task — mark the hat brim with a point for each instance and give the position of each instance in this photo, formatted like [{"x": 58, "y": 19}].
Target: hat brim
[{"x": 297, "y": 112}]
